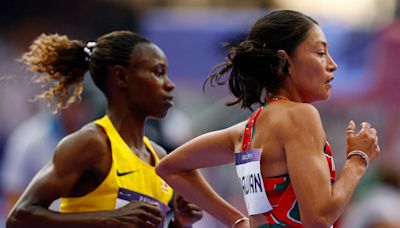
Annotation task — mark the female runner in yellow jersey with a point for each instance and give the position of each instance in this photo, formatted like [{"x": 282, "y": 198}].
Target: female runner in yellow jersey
[{"x": 104, "y": 172}]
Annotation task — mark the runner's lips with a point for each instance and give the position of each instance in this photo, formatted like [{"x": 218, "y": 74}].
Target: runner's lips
[{"x": 329, "y": 80}]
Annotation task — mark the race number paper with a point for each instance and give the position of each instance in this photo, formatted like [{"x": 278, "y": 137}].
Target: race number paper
[
  {"x": 249, "y": 173},
  {"x": 125, "y": 196}
]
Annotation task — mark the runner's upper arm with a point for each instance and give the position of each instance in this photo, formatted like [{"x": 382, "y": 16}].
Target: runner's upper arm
[
  {"x": 304, "y": 141},
  {"x": 74, "y": 154}
]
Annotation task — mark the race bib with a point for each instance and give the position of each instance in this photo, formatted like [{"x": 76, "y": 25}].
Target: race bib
[
  {"x": 250, "y": 178},
  {"x": 125, "y": 196}
]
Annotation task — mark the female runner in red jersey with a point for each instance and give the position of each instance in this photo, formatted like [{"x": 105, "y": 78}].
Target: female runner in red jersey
[{"x": 283, "y": 160}]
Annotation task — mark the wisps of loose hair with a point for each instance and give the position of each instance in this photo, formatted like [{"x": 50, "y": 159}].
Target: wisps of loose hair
[{"x": 61, "y": 66}]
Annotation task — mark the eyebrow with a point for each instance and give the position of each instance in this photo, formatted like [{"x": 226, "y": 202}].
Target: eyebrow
[
  {"x": 156, "y": 65},
  {"x": 323, "y": 43},
  {"x": 148, "y": 63},
  {"x": 160, "y": 64}
]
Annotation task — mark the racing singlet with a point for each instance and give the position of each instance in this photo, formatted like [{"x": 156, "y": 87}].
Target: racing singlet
[
  {"x": 280, "y": 206},
  {"x": 129, "y": 179}
]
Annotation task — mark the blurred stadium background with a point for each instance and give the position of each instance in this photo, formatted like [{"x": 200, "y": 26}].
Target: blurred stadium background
[{"x": 363, "y": 36}]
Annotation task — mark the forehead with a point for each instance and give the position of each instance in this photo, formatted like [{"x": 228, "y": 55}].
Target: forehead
[
  {"x": 148, "y": 54},
  {"x": 314, "y": 38}
]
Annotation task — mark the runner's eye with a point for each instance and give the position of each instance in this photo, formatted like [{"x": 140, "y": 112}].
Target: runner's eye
[{"x": 159, "y": 73}]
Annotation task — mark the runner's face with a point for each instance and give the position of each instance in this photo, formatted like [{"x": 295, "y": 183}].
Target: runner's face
[
  {"x": 149, "y": 85},
  {"x": 311, "y": 67}
]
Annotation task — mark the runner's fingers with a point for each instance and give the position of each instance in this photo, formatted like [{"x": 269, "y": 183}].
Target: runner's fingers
[
  {"x": 189, "y": 208},
  {"x": 365, "y": 126},
  {"x": 373, "y": 131},
  {"x": 378, "y": 148},
  {"x": 350, "y": 128},
  {"x": 146, "y": 224},
  {"x": 196, "y": 213},
  {"x": 154, "y": 208},
  {"x": 150, "y": 218}
]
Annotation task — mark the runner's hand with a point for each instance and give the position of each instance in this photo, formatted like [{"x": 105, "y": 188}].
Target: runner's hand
[
  {"x": 365, "y": 140},
  {"x": 138, "y": 214},
  {"x": 186, "y": 213}
]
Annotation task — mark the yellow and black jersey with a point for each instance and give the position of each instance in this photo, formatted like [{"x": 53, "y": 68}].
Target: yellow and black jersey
[{"x": 129, "y": 179}]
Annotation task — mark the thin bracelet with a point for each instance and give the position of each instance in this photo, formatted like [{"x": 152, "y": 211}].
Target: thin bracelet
[
  {"x": 239, "y": 221},
  {"x": 360, "y": 153}
]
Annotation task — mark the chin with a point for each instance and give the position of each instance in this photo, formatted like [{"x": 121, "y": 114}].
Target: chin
[
  {"x": 320, "y": 99},
  {"x": 328, "y": 96},
  {"x": 159, "y": 115},
  {"x": 325, "y": 95}
]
